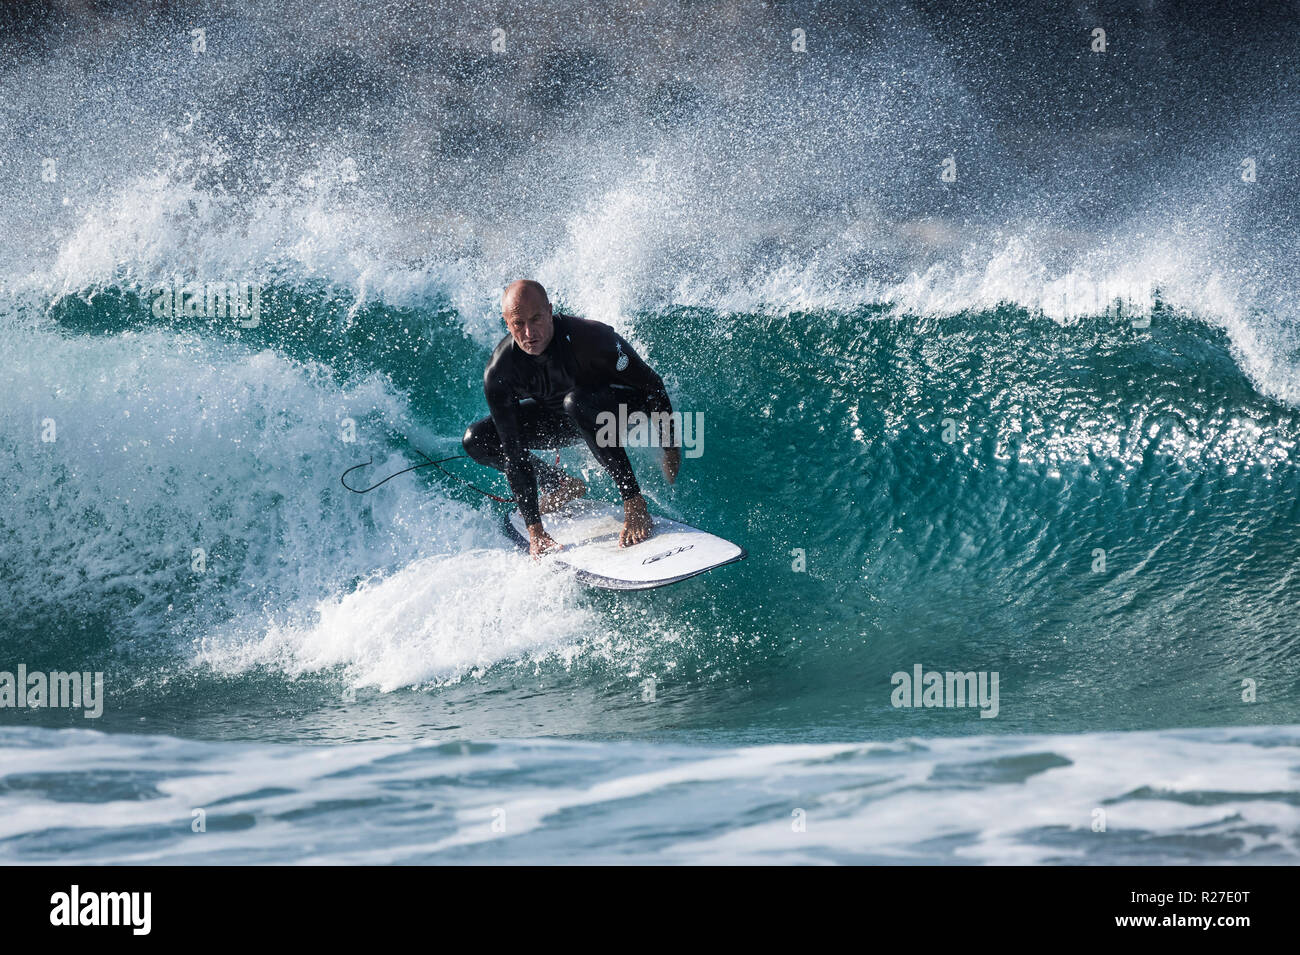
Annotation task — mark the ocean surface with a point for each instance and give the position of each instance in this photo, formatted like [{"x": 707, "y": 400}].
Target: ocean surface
[{"x": 997, "y": 347}]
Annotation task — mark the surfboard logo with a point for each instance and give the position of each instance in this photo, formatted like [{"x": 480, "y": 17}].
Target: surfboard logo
[
  {"x": 667, "y": 553},
  {"x": 621, "y": 363}
]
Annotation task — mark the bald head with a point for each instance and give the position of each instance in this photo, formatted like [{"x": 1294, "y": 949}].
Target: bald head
[
  {"x": 523, "y": 291},
  {"x": 527, "y": 313}
]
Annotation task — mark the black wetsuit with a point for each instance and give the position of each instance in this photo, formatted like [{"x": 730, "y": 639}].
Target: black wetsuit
[{"x": 553, "y": 400}]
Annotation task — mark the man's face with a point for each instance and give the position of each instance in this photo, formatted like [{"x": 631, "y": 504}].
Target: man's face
[{"x": 528, "y": 317}]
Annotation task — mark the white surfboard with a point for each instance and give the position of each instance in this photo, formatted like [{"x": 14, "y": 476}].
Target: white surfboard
[{"x": 589, "y": 532}]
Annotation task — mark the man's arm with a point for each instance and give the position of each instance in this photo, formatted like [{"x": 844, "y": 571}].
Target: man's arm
[
  {"x": 639, "y": 375},
  {"x": 635, "y": 372},
  {"x": 503, "y": 406}
]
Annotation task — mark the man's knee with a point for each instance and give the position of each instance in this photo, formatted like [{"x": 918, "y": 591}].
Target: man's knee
[
  {"x": 477, "y": 442},
  {"x": 573, "y": 404},
  {"x": 584, "y": 407}
]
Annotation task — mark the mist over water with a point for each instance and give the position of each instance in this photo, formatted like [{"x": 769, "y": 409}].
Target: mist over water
[
  {"x": 1040, "y": 419},
  {"x": 676, "y": 154}
]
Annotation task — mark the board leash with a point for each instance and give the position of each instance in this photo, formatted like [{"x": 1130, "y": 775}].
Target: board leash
[{"x": 428, "y": 462}]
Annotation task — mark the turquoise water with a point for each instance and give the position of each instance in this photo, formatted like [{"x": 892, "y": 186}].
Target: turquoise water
[
  {"x": 1019, "y": 426},
  {"x": 404, "y": 620},
  {"x": 824, "y": 433}
]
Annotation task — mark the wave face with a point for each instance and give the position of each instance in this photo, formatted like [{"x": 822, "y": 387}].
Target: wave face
[
  {"x": 995, "y": 339},
  {"x": 1104, "y": 515}
]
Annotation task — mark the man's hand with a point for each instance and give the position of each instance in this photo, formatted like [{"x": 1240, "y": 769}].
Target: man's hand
[
  {"x": 540, "y": 542},
  {"x": 672, "y": 462},
  {"x": 636, "y": 522}
]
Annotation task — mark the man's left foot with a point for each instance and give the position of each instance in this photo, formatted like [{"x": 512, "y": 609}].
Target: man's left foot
[
  {"x": 636, "y": 522},
  {"x": 568, "y": 489}
]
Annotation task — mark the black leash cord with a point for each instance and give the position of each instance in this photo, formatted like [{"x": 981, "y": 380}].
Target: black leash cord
[{"x": 428, "y": 462}]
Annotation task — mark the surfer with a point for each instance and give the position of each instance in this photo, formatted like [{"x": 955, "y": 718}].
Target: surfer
[{"x": 546, "y": 384}]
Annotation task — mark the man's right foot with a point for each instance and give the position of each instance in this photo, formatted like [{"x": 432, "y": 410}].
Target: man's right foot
[
  {"x": 569, "y": 489},
  {"x": 637, "y": 524}
]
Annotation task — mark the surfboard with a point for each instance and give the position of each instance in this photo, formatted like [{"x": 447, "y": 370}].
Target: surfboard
[{"x": 589, "y": 532}]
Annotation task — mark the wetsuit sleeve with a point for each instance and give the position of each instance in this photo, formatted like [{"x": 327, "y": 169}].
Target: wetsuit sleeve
[
  {"x": 503, "y": 406},
  {"x": 636, "y": 373}
]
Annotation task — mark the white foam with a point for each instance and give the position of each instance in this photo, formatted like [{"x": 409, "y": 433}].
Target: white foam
[
  {"x": 627, "y": 242},
  {"x": 170, "y": 443},
  {"x": 1166, "y": 797},
  {"x": 435, "y": 620}
]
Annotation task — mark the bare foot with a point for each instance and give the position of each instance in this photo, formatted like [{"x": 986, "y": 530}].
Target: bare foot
[
  {"x": 636, "y": 522},
  {"x": 540, "y": 542},
  {"x": 569, "y": 489}
]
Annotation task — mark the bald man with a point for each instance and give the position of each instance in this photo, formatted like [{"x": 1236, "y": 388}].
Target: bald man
[{"x": 546, "y": 384}]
